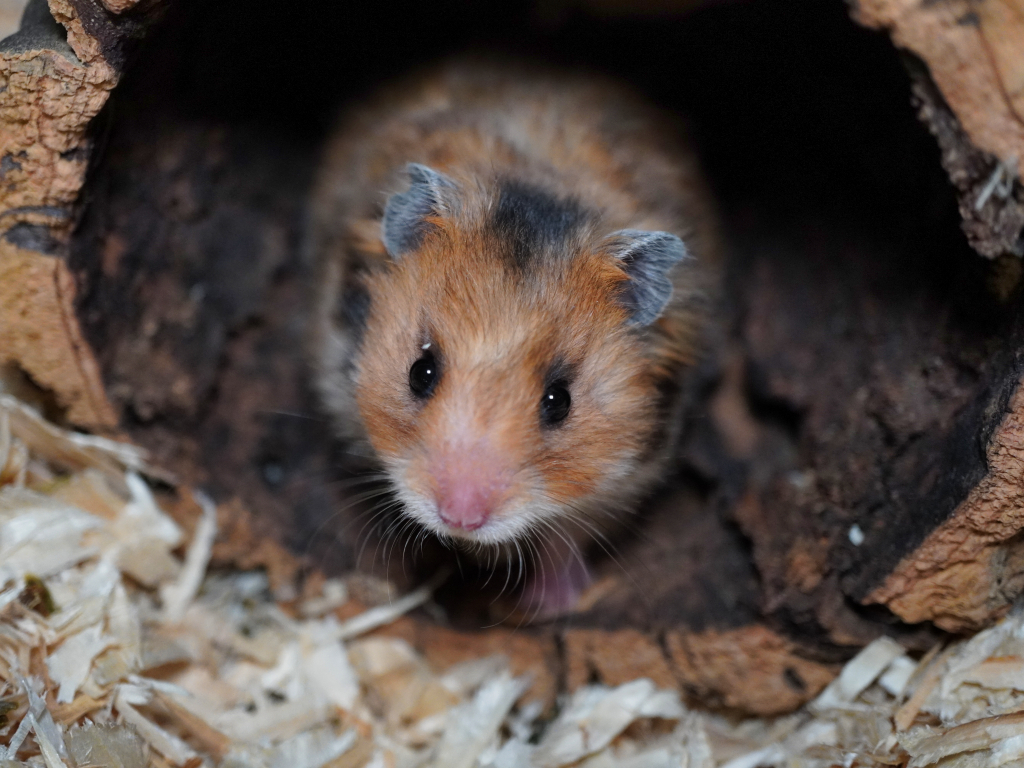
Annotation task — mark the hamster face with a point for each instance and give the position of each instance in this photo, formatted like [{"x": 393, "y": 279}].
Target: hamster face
[
  {"x": 504, "y": 307},
  {"x": 502, "y": 393}
]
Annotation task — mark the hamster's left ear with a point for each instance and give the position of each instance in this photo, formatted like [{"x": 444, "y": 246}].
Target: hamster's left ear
[
  {"x": 405, "y": 216},
  {"x": 647, "y": 258}
]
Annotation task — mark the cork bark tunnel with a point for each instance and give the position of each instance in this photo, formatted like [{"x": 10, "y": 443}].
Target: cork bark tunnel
[{"x": 851, "y": 462}]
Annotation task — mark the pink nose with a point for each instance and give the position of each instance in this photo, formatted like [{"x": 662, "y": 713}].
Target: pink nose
[
  {"x": 464, "y": 504},
  {"x": 469, "y": 488}
]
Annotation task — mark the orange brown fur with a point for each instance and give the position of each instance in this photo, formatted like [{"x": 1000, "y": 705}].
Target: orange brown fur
[{"x": 501, "y": 327}]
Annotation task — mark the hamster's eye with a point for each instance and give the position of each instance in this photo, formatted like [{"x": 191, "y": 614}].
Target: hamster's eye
[
  {"x": 423, "y": 375},
  {"x": 555, "y": 404}
]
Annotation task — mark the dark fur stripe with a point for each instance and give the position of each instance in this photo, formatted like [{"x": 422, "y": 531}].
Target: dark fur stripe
[{"x": 531, "y": 220}]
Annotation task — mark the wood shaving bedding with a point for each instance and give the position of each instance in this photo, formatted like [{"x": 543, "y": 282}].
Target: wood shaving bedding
[{"x": 117, "y": 651}]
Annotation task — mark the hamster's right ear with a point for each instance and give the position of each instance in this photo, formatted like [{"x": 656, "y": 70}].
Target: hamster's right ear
[{"x": 406, "y": 214}]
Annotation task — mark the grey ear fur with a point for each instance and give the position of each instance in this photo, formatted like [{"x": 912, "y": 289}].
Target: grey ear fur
[
  {"x": 647, "y": 258},
  {"x": 404, "y": 223}
]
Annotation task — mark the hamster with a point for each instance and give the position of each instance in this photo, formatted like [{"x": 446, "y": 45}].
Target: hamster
[{"x": 514, "y": 270}]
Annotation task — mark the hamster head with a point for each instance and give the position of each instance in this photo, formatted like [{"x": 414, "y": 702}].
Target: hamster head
[{"x": 504, "y": 375}]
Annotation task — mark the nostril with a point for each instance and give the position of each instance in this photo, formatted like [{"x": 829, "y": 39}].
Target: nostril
[{"x": 466, "y": 523}]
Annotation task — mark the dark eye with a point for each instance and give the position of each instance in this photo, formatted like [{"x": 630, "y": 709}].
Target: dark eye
[
  {"x": 554, "y": 405},
  {"x": 423, "y": 375}
]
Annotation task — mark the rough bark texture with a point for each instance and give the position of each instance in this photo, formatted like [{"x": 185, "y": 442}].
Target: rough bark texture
[
  {"x": 991, "y": 200},
  {"x": 530, "y": 654},
  {"x": 39, "y": 333},
  {"x": 972, "y": 97},
  {"x": 971, "y": 568},
  {"x": 969, "y": 86},
  {"x": 851, "y": 461},
  {"x": 53, "y": 82},
  {"x": 887, "y": 428},
  {"x": 750, "y": 669}
]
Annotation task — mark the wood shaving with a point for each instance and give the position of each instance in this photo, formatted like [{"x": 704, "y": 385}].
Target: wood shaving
[{"x": 132, "y": 656}]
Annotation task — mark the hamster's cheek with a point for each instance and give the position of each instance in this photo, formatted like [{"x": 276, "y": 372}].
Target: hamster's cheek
[
  {"x": 386, "y": 406},
  {"x": 385, "y": 412},
  {"x": 600, "y": 442},
  {"x": 416, "y": 500}
]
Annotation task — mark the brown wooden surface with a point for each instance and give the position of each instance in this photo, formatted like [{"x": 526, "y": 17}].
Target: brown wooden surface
[
  {"x": 969, "y": 86},
  {"x": 974, "y": 54},
  {"x": 971, "y": 91},
  {"x": 970, "y": 568},
  {"x": 867, "y": 376},
  {"x": 53, "y": 83}
]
